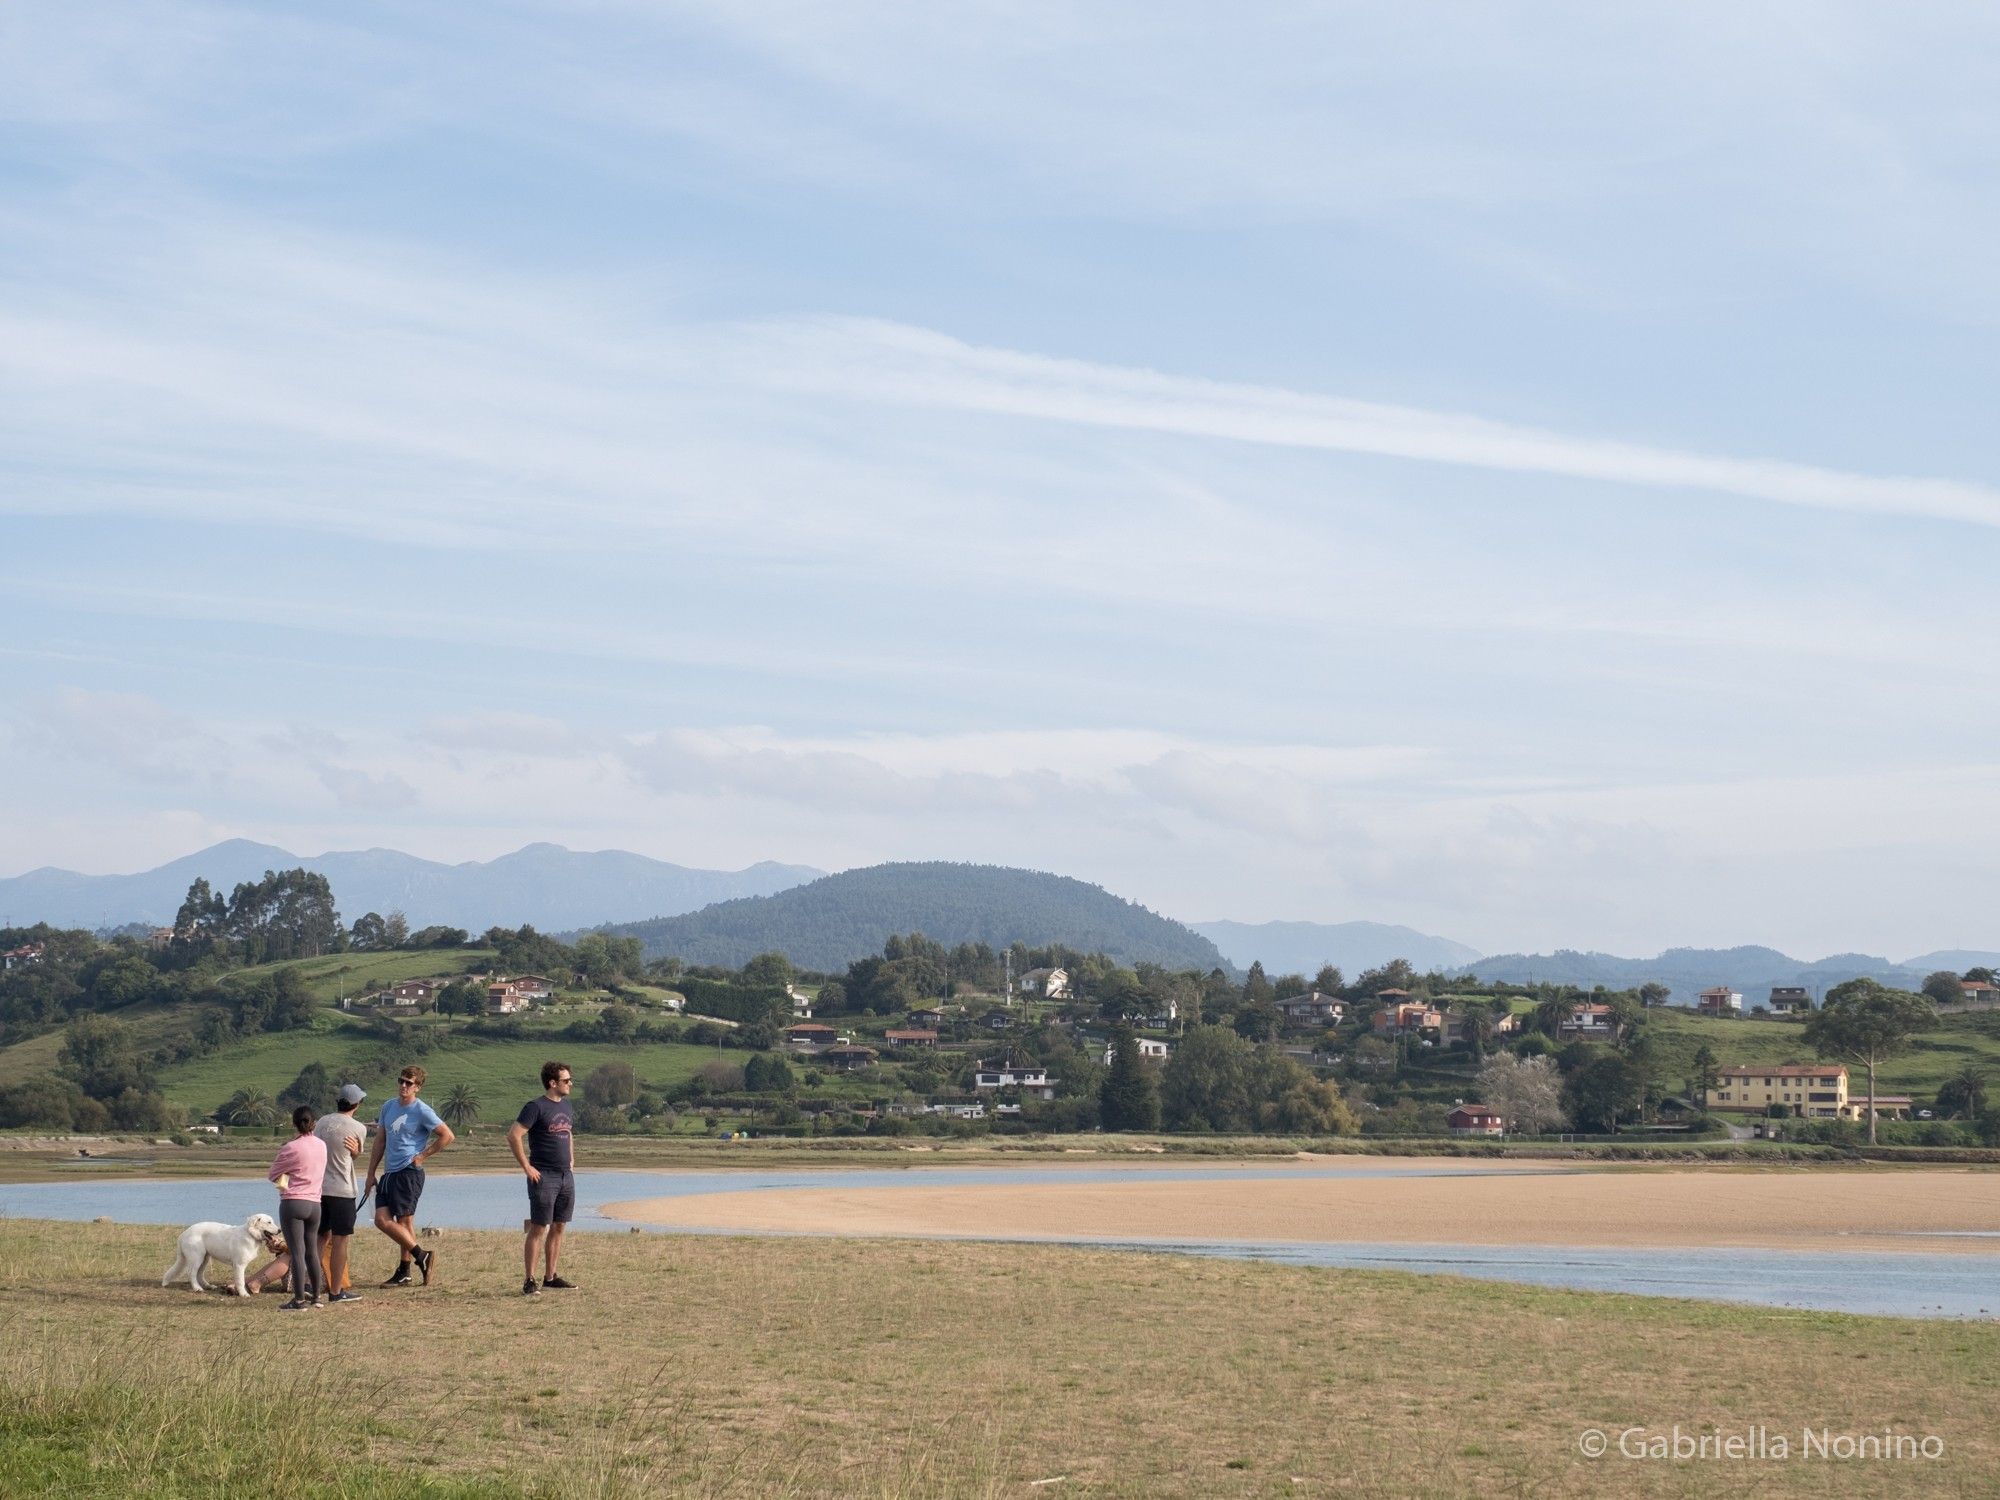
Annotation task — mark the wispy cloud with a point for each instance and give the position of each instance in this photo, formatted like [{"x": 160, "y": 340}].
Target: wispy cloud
[{"x": 873, "y": 360}]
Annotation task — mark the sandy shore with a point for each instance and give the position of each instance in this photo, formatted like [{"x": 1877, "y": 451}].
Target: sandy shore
[{"x": 1802, "y": 1209}]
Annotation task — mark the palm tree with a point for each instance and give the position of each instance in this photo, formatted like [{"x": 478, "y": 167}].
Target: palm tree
[
  {"x": 250, "y": 1107},
  {"x": 461, "y": 1105}
]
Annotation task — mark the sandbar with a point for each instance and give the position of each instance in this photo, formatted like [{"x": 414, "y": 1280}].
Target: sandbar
[{"x": 1907, "y": 1209}]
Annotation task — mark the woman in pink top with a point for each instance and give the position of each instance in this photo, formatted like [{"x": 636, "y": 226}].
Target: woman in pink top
[{"x": 298, "y": 1170}]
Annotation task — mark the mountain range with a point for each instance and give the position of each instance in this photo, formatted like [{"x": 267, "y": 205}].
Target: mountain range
[
  {"x": 1751, "y": 970},
  {"x": 543, "y": 884},
  {"x": 1301, "y": 947},
  {"x": 834, "y": 920}
]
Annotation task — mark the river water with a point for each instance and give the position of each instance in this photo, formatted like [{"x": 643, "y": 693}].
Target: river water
[{"x": 1918, "y": 1283}]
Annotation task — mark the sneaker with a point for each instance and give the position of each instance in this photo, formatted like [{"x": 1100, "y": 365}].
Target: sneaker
[
  {"x": 402, "y": 1276},
  {"x": 345, "y": 1297},
  {"x": 424, "y": 1260},
  {"x": 297, "y": 1304},
  {"x": 529, "y": 1289},
  {"x": 559, "y": 1284}
]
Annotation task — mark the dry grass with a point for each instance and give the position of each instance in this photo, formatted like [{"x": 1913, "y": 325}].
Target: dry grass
[{"x": 719, "y": 1366}]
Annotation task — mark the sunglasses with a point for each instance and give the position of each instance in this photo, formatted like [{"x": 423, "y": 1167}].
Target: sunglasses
[{"x": 407, "y": 1083}]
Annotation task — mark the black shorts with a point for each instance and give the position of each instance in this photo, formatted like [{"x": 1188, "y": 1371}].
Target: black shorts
[
  {"x": 336, "y": 1216},
  {"x": 553, "y": 1199},
  {"x": 399, "y": 1192}
]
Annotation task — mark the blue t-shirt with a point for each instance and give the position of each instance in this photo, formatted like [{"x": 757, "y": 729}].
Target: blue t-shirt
[{"x": 406, "y": 1128}]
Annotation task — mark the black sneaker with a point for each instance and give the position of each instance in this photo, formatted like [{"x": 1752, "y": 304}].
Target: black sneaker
[
  {"x": 424, "y": 1258},
  {"x": 297, "y": 1304},
  {"x": 529, "y": 1289},
  {"x": 345, "y": 1297},
  {"x": 402, "y": 1276},
  {"x": 559, "y": 1284}
]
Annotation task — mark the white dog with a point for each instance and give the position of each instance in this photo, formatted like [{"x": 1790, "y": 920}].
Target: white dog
[{"x": 235, "y": 1245}]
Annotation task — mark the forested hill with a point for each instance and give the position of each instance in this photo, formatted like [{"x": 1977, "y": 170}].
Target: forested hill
[{"x": 834, "y": 921}]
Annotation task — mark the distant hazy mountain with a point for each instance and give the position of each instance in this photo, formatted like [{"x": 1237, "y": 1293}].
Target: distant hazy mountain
[
  {"x": 1301, "y": 947},
  {"x": 1687, "y": 971},
  {"x": 831, "y": 922},
  {"x": 1958, "y": 960},
  {"x": 545, "y": 884}
]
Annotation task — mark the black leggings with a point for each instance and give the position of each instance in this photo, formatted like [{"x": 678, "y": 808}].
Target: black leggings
[{"x": 300, "y": 1218}]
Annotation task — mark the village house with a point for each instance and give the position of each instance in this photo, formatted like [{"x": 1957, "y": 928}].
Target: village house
[
  {"x": 160, "y": 938},
  {"x": 415, "y": 992},
  {"x": 910, "y": 1036},
  {"x": 996, "y": 1020},
  {"x": 1589, "y": 1022},
  {"x": 505, "y": 998},
  {"x": 1979, "y": 992},
  {"x": 802, "y": 1005},
  {"x": 931, "y": 1016},
  {"x": 1719, "y": 1000},
  {"x": 1312, "y": 1009},
  {"x": 1474, "y": 1119},
  {"x": 849, "y": 1057},
  {"x": 1790, "y": 999},
  {"x": 956, "y": 1109},
  {"x": 1050, "y": 984},
  {"x": 811, "y": 1034},
  {"x": 1407, "y": 1018},
  {"x": 27, "y": 953},
  {"x": 1815, "y": 1091},
  {"x": 1008, "y": 1075},
  {"x": 1150, "y": 1049},
  {"x": 533, "y": 987}
]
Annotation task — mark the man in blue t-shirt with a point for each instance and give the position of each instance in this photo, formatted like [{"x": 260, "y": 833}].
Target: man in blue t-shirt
[
  {"x": 543, "y": 1140},
  {"x": 411, "y": 1131}
]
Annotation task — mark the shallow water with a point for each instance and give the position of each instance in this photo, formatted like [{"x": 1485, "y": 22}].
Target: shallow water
[{"x": 1913, "y": 1284}]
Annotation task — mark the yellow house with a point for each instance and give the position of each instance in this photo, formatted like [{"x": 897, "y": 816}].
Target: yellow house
[{"x": 1817, "y": 1091}]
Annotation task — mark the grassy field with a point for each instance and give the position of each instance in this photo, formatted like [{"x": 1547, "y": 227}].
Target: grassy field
[
  {"x": 358, "y": 974},
  {"x": 1935, "y": 1054},
  {"x": 498, "y": 1070},
  {"x": 719, "y": 1366}
]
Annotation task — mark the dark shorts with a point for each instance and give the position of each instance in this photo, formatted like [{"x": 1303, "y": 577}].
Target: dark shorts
[
  {"x": 553, "y": 1199},
  {"x": 336, "y": 1216},
  {"x": 399, "y": 1192}
]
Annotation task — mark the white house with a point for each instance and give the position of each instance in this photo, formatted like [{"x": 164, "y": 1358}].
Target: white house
[
  {"x": 1149, "y": 1047},
  {"x": 802, "y": 1005},
  {"x": 956, "y": 1109},
  {"x": 1008, "y": 1075},
  {"x": 1050, "y": 984}
]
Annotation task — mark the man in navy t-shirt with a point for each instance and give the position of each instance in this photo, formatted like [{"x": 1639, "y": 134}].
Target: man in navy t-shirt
[{"x": 542, "y": 1140}]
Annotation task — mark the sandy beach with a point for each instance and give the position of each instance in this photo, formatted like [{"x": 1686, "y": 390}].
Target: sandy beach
[{"x": 1816, "y": 1209}]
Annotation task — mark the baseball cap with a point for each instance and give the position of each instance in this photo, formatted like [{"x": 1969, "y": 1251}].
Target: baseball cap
[{"x": 351, "y": 1093}]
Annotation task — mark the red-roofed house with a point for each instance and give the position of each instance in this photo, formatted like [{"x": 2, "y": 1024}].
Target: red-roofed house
[{"x": 1474, "y": 1119}]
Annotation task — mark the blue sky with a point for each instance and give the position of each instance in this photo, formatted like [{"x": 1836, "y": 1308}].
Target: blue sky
[{"x": 1527, "y": 472}]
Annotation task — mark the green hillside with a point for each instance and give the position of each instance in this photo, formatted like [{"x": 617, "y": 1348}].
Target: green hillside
[
  {"x": 1934, "y": 1055},
  {"x": 834, "y": 921}
]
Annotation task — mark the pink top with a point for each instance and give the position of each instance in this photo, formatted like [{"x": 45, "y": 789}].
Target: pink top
[{"x": 304, "y": 1156}]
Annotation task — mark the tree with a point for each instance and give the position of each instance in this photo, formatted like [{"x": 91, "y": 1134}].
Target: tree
[
  {"x": 614, "y": 1085},
  {"x": 395, "y": 930},
  {"x": 1602, "y": 1091},
  {"x": 1944, "y": 988},
  {"x": 1702, "y": 1080},
  {"x": 313, "y": 1087},
  {"x": 1979, "y": 973},
  {"x": 1203, "y": 1086},
  {"x": 249, "y": 1107},
  {"x": 769, "y": 971},
  {"x": 1652, "y": 992},
  {"x": 368, "y": 934},
  {"x": 1526, "y": 1092},
  {"x": 1327, "y": 981},
  {"x": 1256, "y": 986},
  {"x": 462, "y": 997},
  {"x": 1963, "y": 1095},
  {"x": 461, "y": 1105},
  {"x": 1129, "y": 1099},
  {"x": 1866, "y": 1022},
  {"x": 100, "y": 1057}
]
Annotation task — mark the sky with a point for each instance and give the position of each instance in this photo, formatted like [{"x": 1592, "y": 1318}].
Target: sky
[{"x": 1524, "y": 471}]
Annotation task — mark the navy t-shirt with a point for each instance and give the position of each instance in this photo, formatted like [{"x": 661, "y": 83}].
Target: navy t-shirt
[{"x": 548, "y": 1122}]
